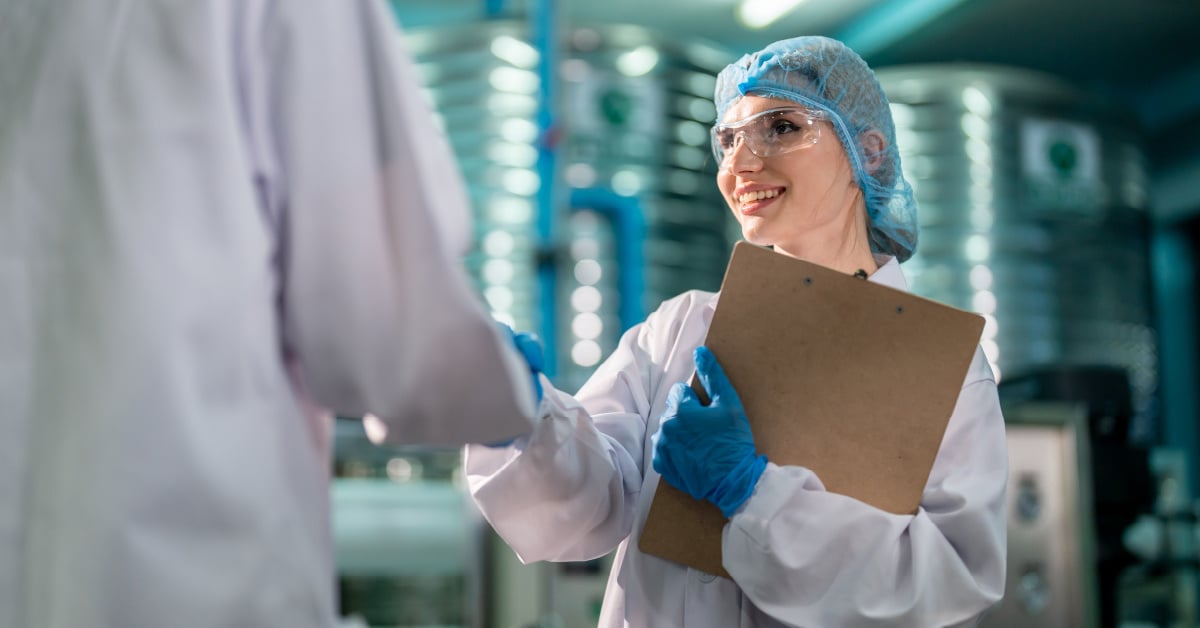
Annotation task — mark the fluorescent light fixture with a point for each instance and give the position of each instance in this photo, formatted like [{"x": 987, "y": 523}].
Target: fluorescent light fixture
[
  {"x": 514, "y": 51},
  {"x": 500, "y": 243},
  {"x": 587, "y": 326},
  {"x": 588, "y": 272},
  {"x": 978, "y": 249},
  {"x": 586, "y": 353},
  {"x": 581, "y": 175},
  {"x": 586, "y": 299},
  {"x": 761, "y": 13},
  {"x": 518, "y": 130},
  {"x": 513, "y": 154},
  {"x": 511, "y": 80},
  {"x": 637, "y": 62},
  {"x": 521, "y": 182},
  {"x": 498, "y": 272},
  {"x": 626, "y": 183}
]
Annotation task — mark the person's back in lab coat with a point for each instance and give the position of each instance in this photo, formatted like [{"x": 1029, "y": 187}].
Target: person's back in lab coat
[{"x": 210, "y": 213}]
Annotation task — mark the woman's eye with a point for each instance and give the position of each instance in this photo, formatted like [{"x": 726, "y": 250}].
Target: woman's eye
[
  {"x": 726, "y": 139},
  {"x": 783, "y": 127}
]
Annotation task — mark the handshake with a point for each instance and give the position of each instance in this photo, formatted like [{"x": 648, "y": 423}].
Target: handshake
[{"x": 707, "y": 451}]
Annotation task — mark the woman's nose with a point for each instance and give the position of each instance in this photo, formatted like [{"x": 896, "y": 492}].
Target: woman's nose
[{"x": 740, "y": 157}]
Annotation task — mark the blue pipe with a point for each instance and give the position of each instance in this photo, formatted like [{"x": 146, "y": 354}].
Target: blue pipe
[
  {"x": 493, "y": 8},
  {"x": 626, "y": 214},
  {"x": 544, "y": 24},
  {"x": 1174, "y": 284}
]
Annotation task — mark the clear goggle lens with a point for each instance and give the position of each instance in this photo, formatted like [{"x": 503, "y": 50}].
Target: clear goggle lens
[{"x": 767, "y": 133}]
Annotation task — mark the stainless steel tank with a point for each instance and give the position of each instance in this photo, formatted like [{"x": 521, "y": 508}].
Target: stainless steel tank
[
  {"x": 634, "y": 112},
  {"x": 482, "y": 82},
  {"x": 638, "y": 107},
  {"x": 1032, "y": 202}
]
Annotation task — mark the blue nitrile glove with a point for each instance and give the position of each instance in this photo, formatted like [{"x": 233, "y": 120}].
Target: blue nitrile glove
[
  {"x": 708, "y": 451},
  {"x": 531, "y": 349}
]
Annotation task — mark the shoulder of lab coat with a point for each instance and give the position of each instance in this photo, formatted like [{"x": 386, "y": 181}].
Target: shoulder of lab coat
[{"x": 372, "y": 214}]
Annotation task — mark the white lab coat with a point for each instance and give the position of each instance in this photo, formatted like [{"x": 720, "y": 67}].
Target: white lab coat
[
  {"x": 580, "y": 485},
  {"x": 210, "y": 211}
]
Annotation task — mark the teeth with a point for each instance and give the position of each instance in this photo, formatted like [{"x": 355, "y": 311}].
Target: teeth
[{"x": 757, "y": 196}]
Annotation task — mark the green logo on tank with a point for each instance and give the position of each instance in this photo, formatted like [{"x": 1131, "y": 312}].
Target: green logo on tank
[
  {"x": 616, "y": 106},
  {"x": 1063, "y": 157}
]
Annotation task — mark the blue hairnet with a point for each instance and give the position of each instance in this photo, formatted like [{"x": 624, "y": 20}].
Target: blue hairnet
[{"x": 825, "y": 74}]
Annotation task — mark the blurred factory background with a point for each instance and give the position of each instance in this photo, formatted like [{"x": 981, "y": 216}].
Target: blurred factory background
[{"x": 1054, "y": 149}]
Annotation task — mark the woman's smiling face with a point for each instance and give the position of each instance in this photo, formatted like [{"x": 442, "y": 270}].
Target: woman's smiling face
[{"x": 782, "y": 198}]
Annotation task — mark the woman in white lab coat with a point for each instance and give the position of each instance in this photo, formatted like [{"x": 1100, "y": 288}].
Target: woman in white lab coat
[
  {"x": 808, "y": 164},
  {"x": 211, "y": 215}
]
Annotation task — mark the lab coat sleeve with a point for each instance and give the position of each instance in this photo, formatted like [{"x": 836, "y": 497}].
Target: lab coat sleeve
[
  {"x": 372, "y": 214},
  {"x": 808, "y": 557},
  {"x": 568, "y": 490}
]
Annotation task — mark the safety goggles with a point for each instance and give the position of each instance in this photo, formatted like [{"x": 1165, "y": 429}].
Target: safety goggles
[{"x": 768, "y": 133}]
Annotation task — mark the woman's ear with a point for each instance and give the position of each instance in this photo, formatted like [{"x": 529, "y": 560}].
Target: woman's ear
[{"x": 873, "y": 145}]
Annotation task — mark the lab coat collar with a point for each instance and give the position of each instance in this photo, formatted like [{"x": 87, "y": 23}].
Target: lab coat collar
[{"x": 889, "y": 273}]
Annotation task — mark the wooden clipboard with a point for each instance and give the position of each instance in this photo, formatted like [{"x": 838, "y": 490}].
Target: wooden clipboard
[{"x": 852, "y": 379}]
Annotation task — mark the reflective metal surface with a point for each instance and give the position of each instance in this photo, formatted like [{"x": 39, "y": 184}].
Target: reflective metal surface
[
  {"x": 635, "y": 112},
  {"x": 1051, "y": 540},
  {"x": 1033, "y": 201}
]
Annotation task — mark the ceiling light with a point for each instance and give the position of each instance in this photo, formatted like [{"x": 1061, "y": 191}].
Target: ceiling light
[
  {"x": 761, "y": 13},
  {"x": 638, "y": 61},
  {"x": 514, "y": 51}
]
